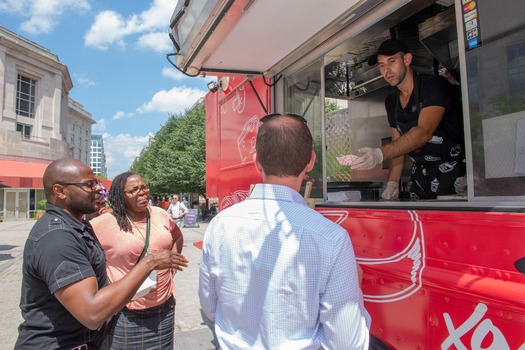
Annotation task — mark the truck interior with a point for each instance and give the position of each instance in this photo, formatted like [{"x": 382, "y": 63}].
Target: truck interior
[{"x": 357, "y": 87}]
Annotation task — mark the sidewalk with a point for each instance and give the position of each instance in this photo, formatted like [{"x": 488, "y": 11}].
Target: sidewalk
[
  {"x": 193, "y": 331},
  {"x": 13, "y": 235}
]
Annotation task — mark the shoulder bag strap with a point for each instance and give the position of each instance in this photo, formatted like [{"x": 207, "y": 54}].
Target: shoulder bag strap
[{"x": 146, "y": 244}]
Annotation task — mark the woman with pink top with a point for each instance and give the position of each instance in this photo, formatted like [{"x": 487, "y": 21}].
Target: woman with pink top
[{"x": 127, "y": 234}]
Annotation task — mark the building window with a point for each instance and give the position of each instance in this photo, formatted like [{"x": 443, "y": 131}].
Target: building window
[
  {"x": 25, "y": 130},
  {"x": 25, "y": 97}
]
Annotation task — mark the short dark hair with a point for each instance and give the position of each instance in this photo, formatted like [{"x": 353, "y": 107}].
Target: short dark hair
[
  {"x": 388, "y": 48},
  {"x": 284, "y": 146}
]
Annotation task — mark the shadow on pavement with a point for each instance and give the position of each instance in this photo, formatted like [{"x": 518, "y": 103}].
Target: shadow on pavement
[{"x": 6, "y": 256}]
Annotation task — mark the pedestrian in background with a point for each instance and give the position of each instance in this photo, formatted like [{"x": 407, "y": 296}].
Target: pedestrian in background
[{"x": 177, "y": 210}]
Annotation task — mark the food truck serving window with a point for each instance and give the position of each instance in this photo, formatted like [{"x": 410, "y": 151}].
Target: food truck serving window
[
  {"x": 478, "y": 45},
  {"x": 495, "y": 65}
]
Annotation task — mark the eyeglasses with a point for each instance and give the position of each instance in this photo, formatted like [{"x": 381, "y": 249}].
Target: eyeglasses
[
  {"x": 274, "y": 115},
  {"x": 88, "y": 186},
  {"x": 135, "y": 190}
]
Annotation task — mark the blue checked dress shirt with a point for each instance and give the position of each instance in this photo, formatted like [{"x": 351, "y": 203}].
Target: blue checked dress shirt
[{"x": 276, "y": 274}]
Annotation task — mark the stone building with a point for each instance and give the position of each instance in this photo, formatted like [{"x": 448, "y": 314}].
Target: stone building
[{"x": 39, "y": 122}]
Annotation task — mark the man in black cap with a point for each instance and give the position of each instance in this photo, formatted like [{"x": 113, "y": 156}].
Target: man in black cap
[{"x": 424, "y": 113}]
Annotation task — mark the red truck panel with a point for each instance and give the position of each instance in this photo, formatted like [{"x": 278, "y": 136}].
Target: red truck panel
[
  {"x": 435, "y": 279},
  {"x": 230, "y": 138}
]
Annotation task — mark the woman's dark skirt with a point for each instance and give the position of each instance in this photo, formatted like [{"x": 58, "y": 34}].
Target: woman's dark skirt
[{"x": 150, "y": 329}]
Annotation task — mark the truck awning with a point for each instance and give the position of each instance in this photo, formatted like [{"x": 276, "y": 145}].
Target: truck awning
[{"x": 255, "y": 36}]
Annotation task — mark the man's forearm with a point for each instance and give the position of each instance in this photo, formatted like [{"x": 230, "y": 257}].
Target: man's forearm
[
  {"x": 116, "y": 295},
  {"x": 428, "y": 122},
  {"x": 412, "y": 140},
  {"x": 92, "y": 306},
  {"x": 396, "y": 168}
]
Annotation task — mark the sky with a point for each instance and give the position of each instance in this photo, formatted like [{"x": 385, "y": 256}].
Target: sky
[{"x": 115, "y": 52}]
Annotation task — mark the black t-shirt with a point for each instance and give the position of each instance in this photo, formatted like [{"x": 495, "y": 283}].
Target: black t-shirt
[
  {"x": 432, "y": 90},
  {"x": 59, "y": 251}
]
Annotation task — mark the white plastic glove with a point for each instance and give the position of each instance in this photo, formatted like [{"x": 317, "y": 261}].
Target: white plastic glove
[
  {"x": 391, "y": 191},
  {"x": 370, "y": 159}
]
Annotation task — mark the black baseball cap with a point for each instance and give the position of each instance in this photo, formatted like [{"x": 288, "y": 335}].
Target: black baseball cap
[{"x": 388, "y": 48}]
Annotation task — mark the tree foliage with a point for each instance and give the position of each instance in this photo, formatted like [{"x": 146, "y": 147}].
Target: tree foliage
[
  {"x": 330, "y": 106},
  {"x": 174, "y": 162}
]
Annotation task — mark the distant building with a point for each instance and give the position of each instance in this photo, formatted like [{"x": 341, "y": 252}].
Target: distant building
[
  {"x": 98, "y": 156},
  {"x": 79, "y": 131},
  {"x": 39, "y": 122}
]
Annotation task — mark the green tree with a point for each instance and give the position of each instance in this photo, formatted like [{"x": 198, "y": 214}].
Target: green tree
[
  {"x": 174, "y": 161},
  {"x": 330, "y": 106}
]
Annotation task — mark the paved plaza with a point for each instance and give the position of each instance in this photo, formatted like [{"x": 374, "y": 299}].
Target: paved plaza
[{"x": 193, "y": 331}]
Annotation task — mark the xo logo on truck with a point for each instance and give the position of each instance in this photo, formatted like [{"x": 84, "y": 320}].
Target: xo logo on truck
[
  {"x": 481, "y": 331},
  {"x": 410, "y": 260}
]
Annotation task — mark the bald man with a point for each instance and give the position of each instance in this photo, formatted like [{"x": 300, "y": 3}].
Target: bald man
[{"x": 66, "y": 299}]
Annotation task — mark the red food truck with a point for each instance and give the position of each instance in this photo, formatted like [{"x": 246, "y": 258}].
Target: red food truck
[{"x": 447, "y": 273}]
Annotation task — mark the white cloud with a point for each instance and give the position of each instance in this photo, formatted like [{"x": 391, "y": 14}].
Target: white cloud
[
  {"x": 158, "y": 42},
  {"x": 172, "y": 73},
  {"x": 120, "y": 115},
  {"x": 83, "y": 81},
  {"x": 99, "y": 126},
  {"x": 111, "y": 28},
  {"x": 14, "y": 6},
  {"x": 157, "y": 16},
  {"x": 43, "y": 14},
  {"x": 121, "y": 150},
  {"x": 175, "y": 100}
]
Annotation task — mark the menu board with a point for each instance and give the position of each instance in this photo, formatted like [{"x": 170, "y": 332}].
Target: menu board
[{"x": 190, "y": 219}]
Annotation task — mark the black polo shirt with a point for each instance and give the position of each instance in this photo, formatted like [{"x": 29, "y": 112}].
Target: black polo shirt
[
  {"x": 433, "y": 90},
  {"x": 59, "y": 251}
]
